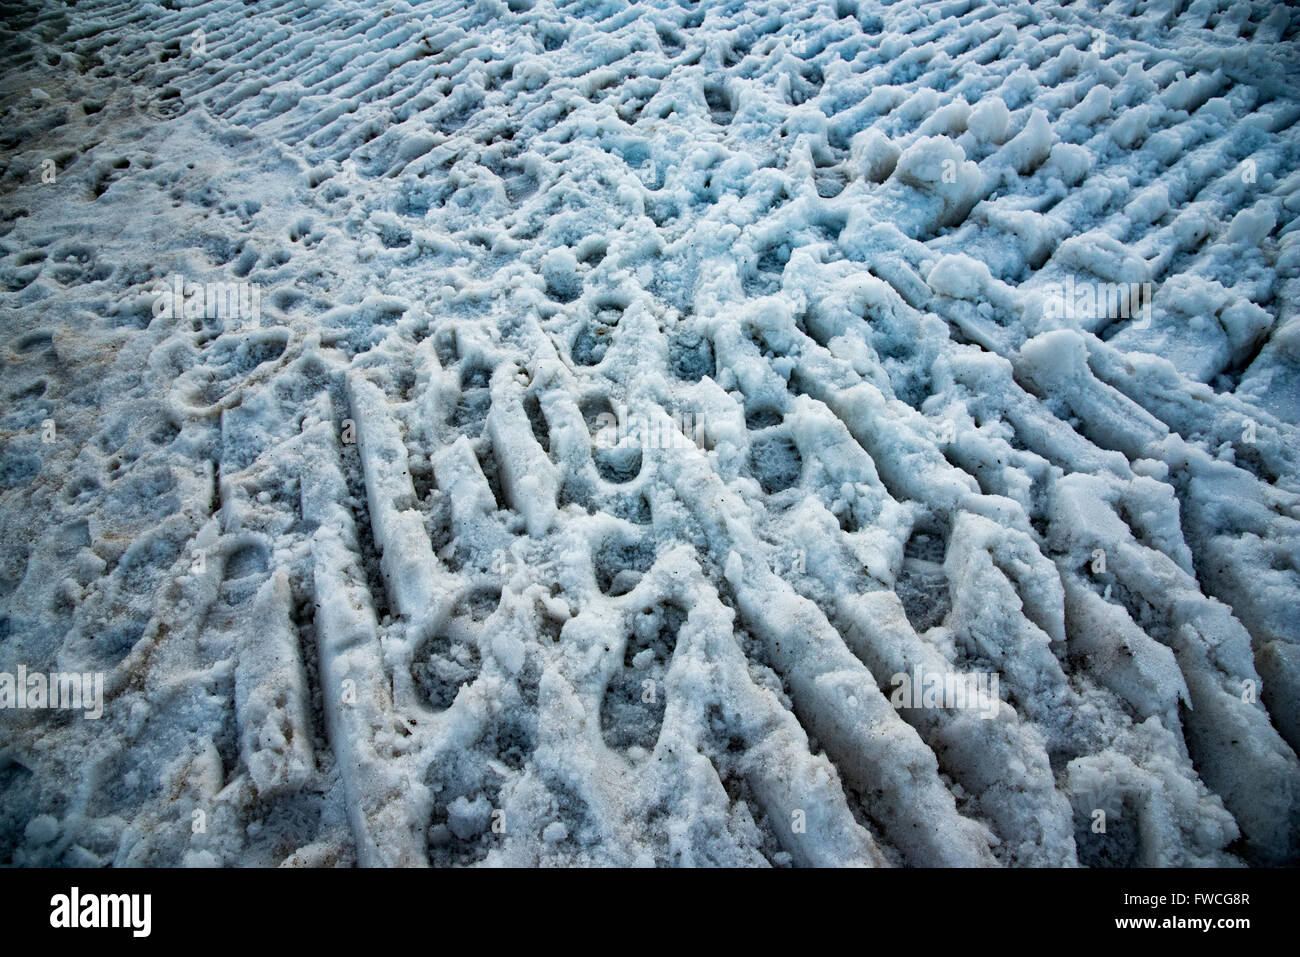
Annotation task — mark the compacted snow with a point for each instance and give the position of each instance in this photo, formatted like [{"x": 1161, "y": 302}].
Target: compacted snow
[{"x": 571, "y": 433}]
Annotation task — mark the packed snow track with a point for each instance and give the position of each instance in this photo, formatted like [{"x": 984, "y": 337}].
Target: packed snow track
[{"x": 541, "y": 433}]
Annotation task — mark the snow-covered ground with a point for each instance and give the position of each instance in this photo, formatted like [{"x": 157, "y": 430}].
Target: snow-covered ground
[{"x": 582, "y": 433}]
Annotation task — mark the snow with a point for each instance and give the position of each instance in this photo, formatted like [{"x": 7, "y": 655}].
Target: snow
[{"x": 540, "y": 434}]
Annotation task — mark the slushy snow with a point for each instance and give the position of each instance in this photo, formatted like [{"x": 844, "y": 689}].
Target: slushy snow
[{"x": 617, "y": 398}]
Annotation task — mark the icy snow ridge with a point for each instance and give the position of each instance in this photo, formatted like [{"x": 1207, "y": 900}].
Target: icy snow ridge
[{"x": 632, "y": 393}]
